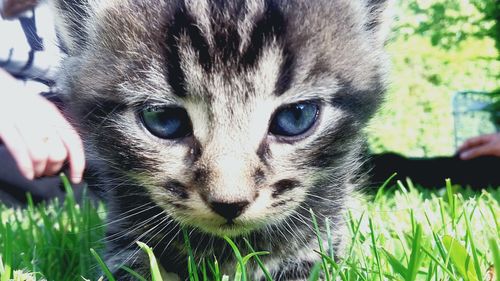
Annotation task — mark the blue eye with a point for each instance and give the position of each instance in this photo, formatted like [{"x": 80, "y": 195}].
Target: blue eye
[
  {"x": 167, "y": 122},
  {"x": 294, "y": 120}
]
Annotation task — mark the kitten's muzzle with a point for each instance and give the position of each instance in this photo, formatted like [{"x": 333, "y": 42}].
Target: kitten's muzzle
[{"x": 229, "y": 210}]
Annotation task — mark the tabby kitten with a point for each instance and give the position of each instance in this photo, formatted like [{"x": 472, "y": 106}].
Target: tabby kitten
[{"x": 222, "y": 117}]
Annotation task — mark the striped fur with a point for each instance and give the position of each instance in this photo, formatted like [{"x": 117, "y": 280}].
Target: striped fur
[{"x": 231, "y": 64}]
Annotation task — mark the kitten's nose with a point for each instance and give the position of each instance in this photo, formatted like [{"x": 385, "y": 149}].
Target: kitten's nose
[{"x": 230, "y": 210}]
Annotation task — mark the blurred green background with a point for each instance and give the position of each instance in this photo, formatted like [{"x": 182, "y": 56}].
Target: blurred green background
[{"x": 437, "y": 48}]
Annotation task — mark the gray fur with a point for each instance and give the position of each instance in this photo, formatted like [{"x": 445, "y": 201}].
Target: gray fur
[{"x": 231, "y": 66}]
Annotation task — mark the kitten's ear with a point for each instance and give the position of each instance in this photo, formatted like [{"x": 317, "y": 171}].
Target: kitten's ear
[
  {"x": 380, "y": 18},
  {"x": 71, "y": 18}
]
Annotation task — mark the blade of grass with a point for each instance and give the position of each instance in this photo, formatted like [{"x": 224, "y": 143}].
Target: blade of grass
[
  {"x": 153, "y": 264},
  {"x": 402, "y": 187},
  {"x": 320, "y": 244},
  {"x": 239, "y": 258},
  {"x": 430, "y": 272},
  {"x": 442, "y": 212},
  {"x": 252, "y": 255},
  {"x": 381, "y": 190},
  {"x": 69, "y": 201},
  {"x": 460, "y": 258},
  {"x": 103, "y": 266},
  {"x": 192, "y": 267},
  {"x": 451, "y": 202},
  {"x": 496, "y": 256},
  {"x": 396, "y": 265},
  {"x": 204, "y": 270},
  {"x": 439, "y": 243},
  {"x": 475, "y": 257},
  {"x": 214, "y": 268},
  {"x": 409, "y": 183},
  {"x": 328, "y": 259},
  {"x": 438, "y": 262},
  {"x": 493, "y": 213},
  {"x": 259, "y": 262},
  {"x": 315, "y": 272},
  {"x": 7, "y": 252},
  {"x": 355, "y": 274},
  {"x": 356, "y": 232},
  {"x": 375, "y": 250},
  {"x": 133, "y": 273},
  {"x": 329, "y": 238},
  {"x": 416, "y": 254},
  {"x": 330, "y": 250},
  {"x": 334, "y": 264}
]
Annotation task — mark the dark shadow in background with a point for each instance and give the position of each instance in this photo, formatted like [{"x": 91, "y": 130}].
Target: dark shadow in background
[{"x": 431, "y": 173}]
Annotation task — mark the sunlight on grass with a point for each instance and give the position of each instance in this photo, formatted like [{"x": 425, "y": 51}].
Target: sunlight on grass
[{"x": 403, "y": 233}]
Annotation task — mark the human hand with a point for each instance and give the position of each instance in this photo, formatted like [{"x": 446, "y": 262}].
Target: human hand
[
  {"x": 36, "y": 133},
  {"x": 485, "y": 145}
]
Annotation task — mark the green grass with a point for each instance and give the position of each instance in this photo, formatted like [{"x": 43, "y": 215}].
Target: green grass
[
  {"x": 404, "y": 233},
  {"x": 51, "y": 240}
]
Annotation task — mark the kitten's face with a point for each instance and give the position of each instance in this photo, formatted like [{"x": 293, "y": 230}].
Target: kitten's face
[{"x": 230, "y": 115}]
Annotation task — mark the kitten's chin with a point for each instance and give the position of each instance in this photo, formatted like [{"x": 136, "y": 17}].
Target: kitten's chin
[
  {"x": 229, "y": 230},
  {"x": 233, "y": 229}
]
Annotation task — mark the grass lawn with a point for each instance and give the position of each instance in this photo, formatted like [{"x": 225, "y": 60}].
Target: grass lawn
[{"x": 402, "y": 233}]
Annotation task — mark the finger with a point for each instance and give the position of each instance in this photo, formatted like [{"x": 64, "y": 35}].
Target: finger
[
  {"x": 74, "y": 147},
  {"x": 53, "y": 168},
  {"x": 57, "y": 156},
  {"x": 38, "y": 150},
  {"x": 476, "y": 141},
  {"x": 483, "y": 150},
  {"x": 36, "y": 141},
  {"x": 35, "y": 138},
  {"x": 18, "y": 149}
]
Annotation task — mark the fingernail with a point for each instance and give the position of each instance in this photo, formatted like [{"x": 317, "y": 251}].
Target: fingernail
[
  {"x": 76, "y": 180},
  {"x": 29, "y": 175},
  {"x": 464, "y": 155}
]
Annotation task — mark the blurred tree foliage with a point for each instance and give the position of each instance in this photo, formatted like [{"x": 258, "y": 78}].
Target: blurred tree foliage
[
  {"x": 450, "y": 22},
  {"x": 439, "y": 47}
]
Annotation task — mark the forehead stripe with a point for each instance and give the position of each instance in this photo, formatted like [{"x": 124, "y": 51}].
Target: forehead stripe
[
  {"x": 286, "y": 74},
  {"x": 270, "y": 26},
  {"x": 227, "y": 40},
  {"x": 183, "y": 23}
]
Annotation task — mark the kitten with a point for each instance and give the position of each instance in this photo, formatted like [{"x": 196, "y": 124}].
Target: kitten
[{"x": 231, "y": 117}]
